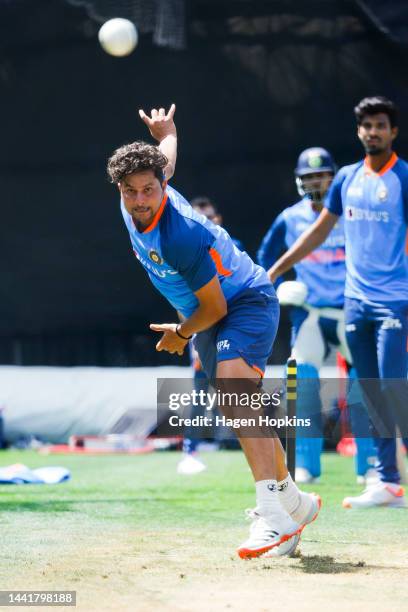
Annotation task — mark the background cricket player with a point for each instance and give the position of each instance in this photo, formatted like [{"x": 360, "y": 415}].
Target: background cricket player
[
  {"x": 320, "y": 279},
  {"x": 226, "y": 300},
  {"x": 373, "y": 196}
]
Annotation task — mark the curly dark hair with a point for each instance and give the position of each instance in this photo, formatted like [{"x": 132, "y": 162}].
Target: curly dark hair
[
  {"x": 374, "y": 105},
  {"x": 136, "y": 157}
]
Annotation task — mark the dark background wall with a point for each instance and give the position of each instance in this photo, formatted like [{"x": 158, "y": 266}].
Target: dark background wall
[{"x": 255, "y": 83}]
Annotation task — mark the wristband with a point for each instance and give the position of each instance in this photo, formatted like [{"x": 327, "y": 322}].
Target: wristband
[{"x": 180, "y": 335}]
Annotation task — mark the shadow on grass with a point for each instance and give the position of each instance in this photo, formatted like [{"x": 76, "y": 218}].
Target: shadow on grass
[
  {"x": 28, "y": 506},
  {"x": 70, "y": 505},
  {"x": 323, "y": 564}
]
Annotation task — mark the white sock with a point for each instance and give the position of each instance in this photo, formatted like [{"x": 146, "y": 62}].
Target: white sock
[
  {"x": 267, "y": 500},
  {"x": 289, "y": 496}
]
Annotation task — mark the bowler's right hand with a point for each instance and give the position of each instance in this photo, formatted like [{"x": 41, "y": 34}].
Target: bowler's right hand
[{"x": 159, "y": 123}]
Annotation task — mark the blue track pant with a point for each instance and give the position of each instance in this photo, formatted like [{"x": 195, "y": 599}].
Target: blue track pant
[{"x": 377, "y": 338}]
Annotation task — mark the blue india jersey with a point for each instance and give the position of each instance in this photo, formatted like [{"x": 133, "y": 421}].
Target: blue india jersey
[
  {"x": 182, "y": 251},
  {"x": 323, "y": 271},
  {"x": 375, "y": 211}
]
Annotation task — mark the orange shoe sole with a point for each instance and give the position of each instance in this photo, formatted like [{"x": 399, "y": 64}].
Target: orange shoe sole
[{"x": 248, "y": 553}]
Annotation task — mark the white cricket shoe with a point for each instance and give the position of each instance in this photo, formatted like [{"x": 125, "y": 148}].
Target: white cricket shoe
[
  {"x": 381, "y": 494},
  {"x": 286, "y": 549},
  {"x": 190, "y": 465},
  {"x": 267, "y": 532},
  {"x": 308, "y": 508},
  {"x": 303, "y": 476}
]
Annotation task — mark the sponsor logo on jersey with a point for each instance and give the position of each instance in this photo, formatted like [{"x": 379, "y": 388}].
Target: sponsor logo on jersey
[
  {"x": 350, "y": 327},
  {"x": 325, "y": 256},
  {"x": 355, "y": 191},
  {"x": 353, "y": 213},
  {"x": 223, "y": 345},
  {"x": 391, "y": 324},
  {"x": 154, "y": 256},
  {"x": 301, "y": 226}
]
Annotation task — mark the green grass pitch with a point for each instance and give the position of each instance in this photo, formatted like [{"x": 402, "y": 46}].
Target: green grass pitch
[{"x": 128, "y": 533}]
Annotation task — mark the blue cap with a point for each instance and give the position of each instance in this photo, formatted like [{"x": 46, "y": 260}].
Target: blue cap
[{"x": 314, "y": 159}]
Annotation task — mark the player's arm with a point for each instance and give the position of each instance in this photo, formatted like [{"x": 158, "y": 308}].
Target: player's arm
[
  {"x": 212, "y": 307},
  {"x": 162, "y": 127},
  {"x": 188, "y": 251},
  {"x": 305, "y": 244},
  {"x": 273, "y": 243}
]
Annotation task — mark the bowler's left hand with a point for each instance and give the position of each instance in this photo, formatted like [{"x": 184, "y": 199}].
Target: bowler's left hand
[{"x": 170, "y": 341}]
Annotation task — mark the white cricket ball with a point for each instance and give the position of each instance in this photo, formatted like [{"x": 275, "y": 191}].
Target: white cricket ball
[{"x": 118, "y": 37}]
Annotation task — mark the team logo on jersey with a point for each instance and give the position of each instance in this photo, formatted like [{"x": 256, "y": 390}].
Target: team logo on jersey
[
  {"x": 156, "y": 271},
  {"x": 314, "y": 161},
  {"x": 154, "y": 256},
  {"x": 382, "y": 194}
]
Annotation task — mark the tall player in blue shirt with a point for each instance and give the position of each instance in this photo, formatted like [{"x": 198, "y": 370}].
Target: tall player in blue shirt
[
  {"x": 320, "y": 279},
  {"x": 372, "y": 196},
  {"x": 228, "y": 303}
]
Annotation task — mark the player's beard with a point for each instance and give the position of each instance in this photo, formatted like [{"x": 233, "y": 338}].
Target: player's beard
[
  {"x": 142, "y": 221},
  {"x": 140, "y": 224},
  {"x": 374, "y": 149}
]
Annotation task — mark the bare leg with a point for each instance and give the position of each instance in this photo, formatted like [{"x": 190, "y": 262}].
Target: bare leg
[
  {"x": 286, "y": 510},
  {"x": 265, "y": 455}
]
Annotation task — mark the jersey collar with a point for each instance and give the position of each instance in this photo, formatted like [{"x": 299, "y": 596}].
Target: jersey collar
[{"x": 390, "y": 164}]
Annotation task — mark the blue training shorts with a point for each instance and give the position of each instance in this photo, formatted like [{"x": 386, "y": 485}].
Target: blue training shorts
[{"x": 248, "y": 331}]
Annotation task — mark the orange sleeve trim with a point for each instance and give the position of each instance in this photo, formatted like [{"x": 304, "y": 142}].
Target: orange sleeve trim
[
  {"x": 260, "y": 372},
  {"x": 216, "y": 257},
  {"x": 390, "y": 163},
  {"x": 157, "y": 216}
]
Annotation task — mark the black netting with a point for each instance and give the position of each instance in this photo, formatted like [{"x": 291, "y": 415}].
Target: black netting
[
  {"x": 388, "y": 18},
  {"x": 164, "y": 18},
  {"x": 258, "y": 82}
]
